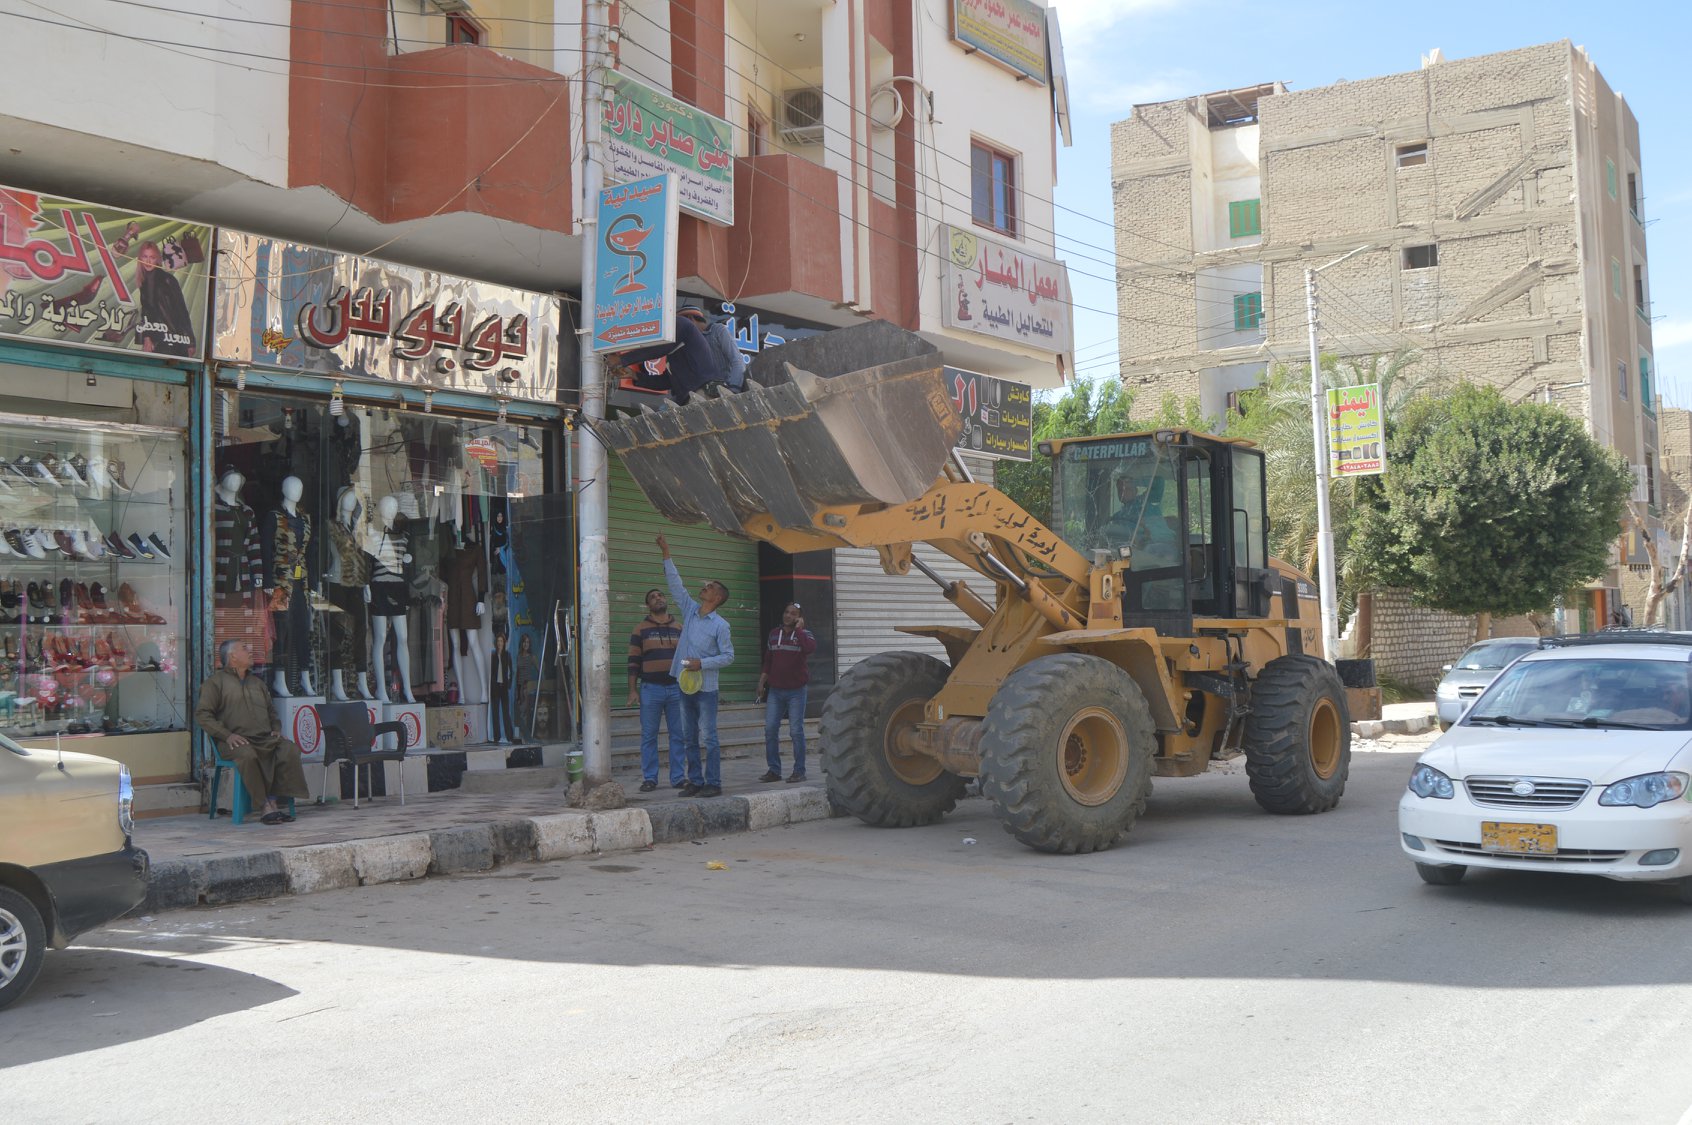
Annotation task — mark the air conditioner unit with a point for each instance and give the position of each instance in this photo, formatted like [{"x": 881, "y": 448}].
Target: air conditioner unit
[
  {"x": 802, "y": 116},
  {"x": 447, "y": 6}
]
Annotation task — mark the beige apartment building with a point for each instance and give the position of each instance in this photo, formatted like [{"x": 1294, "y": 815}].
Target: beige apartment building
[{"x": 1496, "y": 209}]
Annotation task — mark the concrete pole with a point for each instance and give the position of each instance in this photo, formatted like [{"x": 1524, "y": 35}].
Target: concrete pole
[
  {"x": 1324, "y": 516},
  {"x": 593, "y": 493}
]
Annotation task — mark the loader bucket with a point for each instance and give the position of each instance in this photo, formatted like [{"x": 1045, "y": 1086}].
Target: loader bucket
[{"x": 880, "y": 432}]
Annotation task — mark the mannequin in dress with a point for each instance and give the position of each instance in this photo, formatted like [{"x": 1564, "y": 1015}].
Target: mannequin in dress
[
  {"x": 390, "y": 598},
  {"x": 465, "y": 572},
  {"x": 288, "y": 565},
  {"x": 349, "y": 591}
]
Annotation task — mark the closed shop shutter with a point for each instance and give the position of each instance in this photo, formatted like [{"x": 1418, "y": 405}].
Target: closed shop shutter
[
  {"x": 700, "y": 553},
  {"x": 870, "y": 603}
]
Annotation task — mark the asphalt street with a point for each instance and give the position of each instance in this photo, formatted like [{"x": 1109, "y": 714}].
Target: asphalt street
[{"x": 1223, "y": 965}]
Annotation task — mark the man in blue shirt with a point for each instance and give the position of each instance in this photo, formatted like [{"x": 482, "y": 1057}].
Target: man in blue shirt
[{"x": 704, "y": 647}]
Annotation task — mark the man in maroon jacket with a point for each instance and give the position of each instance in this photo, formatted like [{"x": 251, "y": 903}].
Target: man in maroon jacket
[{"x": 781, "y": 688}]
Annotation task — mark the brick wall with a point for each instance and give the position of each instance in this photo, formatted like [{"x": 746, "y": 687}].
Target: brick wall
[
  {"x": 1413, "y": 644},
  {"x": 1504, "y": 306}
]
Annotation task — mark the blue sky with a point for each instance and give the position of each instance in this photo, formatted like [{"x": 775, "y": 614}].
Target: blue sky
[{"x": 1121, "y": 52}]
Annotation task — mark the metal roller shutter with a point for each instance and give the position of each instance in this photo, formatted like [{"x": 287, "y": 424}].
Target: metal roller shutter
[
  {"x": 700, "y": 553},
  {"x": 870, "y": 603}
]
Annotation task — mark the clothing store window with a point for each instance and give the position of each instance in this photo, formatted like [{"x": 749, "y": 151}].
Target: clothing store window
[
  {"x": 383, "y": 554},
  {"x": 93, "y": 550}
]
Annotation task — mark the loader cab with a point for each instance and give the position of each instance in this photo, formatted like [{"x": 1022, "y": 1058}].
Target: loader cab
[{"x": 1186, "y": 511}]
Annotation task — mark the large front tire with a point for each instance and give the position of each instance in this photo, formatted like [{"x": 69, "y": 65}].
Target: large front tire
[
  {"x": 1298, "y": 736},
  {"x": 867, "y": 774},
  {"x": 1066, "y": 753},
  {"x": 23, "y": 942}
]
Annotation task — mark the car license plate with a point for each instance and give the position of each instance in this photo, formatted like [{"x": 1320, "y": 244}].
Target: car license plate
[{"x": 1529, "y": 839}]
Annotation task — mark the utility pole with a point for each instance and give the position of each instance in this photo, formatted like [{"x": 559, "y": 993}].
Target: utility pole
[
  {"x": 1327, "y": 584},
  {"x": 593, "y": 494}
]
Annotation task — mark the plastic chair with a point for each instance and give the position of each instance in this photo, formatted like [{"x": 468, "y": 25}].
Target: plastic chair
[
  {"x": 350, "y": 737},
  {"x": 238, "y": 793}
]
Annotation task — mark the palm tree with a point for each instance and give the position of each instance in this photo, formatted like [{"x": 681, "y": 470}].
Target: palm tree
[{"x": 1276, "y": 415}]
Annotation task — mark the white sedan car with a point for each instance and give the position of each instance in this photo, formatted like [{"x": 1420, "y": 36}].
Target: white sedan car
[{"x": 1577, "y": 759}]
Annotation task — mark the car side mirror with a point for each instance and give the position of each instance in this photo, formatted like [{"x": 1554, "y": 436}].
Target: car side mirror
[{"x": 1447, "y": 668}]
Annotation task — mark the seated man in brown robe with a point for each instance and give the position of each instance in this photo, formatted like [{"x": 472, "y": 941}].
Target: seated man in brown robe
[{"x": 235, "y": 710}]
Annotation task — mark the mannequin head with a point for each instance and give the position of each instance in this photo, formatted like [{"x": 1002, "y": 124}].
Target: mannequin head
[
  {"x": 292, "y": 489},
  {"x": 348, "y": 506},
  {"x": 387, "y": 508},
  {"x": 230, "y": 482}
]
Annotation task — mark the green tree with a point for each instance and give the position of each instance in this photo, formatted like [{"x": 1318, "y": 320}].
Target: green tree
[
  {"x": 1086, "y": 408},
  {"x": 1489, "y": 506}
]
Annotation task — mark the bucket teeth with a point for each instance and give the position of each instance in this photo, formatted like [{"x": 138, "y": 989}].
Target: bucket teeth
[{"x": 878, "y": 433}]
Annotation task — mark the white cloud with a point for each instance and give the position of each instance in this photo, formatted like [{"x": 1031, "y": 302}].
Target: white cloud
[
  {"x": 1117, "y": 98},
  {"x": 1671, "y": 334},
  {"x": 1092, "y": 16}
]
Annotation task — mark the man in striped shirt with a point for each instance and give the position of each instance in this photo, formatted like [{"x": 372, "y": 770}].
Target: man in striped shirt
[{"x": 652, "y": 649}]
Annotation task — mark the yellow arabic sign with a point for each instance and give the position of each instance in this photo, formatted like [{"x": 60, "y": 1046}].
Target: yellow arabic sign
[{"x": 1356, "y": 431}]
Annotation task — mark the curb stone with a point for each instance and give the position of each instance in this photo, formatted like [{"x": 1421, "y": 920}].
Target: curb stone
[{"x": 175, "y": 884}]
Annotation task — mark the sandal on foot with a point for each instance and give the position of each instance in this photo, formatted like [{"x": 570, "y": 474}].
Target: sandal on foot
[{"x": 274, "y": 816}]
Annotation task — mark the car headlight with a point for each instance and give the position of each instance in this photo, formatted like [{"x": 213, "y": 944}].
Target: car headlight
[
  {"x": 1425, "y": 781},
  {"x": 1446, "y": 691},
  {"x": 126, "y": 802},
  {"x": 1644, "y": 791}
]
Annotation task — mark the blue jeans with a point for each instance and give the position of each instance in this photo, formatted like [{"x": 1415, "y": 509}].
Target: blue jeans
[
  {"x": 788, "y": 703},
  {"x": 660, "y": 701},
  {"x": 699, "y": 720}
]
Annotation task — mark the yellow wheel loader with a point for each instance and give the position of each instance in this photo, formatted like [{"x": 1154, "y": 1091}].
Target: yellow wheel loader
[{"x": 1146, "y": 632}]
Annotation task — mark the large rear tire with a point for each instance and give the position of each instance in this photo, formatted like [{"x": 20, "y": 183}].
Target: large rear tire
[
  {"x": 23, "y": 942},
  {"x": 1298, "y": 736},
  {"x": 867, "y": 774},
  {"x": 1066, "y": 753}
]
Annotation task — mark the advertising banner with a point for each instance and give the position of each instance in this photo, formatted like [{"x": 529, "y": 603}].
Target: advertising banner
[
  {"x": 74, "y": 273},
  {"x": 1009, "y": 294},
  {"x": 1356, "y": 431},
  {"x": 301, "y": 308},
  {"x": 648, "y": 133},
  {"x": 634, "y": 294},
  {"x": 998, "y": 414},
  {"x": 1011, "y": 32}
]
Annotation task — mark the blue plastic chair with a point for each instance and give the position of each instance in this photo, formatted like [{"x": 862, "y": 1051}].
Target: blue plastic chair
[{"x": 238, "y": 796}]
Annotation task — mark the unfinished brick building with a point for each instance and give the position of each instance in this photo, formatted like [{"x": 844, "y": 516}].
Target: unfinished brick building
[{"x": 1497, "y": 205}]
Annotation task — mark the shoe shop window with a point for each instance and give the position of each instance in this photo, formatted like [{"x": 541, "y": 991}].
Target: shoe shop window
[{"x": 93, "y": 551}]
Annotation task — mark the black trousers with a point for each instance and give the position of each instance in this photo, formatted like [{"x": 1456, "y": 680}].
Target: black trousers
[
  {"x": 347, "y": 629},
  {"x": 499, "y": 705},
  {"x": 293, "y": 634}
]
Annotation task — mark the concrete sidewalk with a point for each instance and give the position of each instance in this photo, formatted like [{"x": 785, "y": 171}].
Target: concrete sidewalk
[
  {"x": 197, "y": 861},
  {"x": 1398, "y": 718}
]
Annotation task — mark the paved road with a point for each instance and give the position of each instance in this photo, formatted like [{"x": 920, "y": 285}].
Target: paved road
[{"x": 1223, "y": 966}]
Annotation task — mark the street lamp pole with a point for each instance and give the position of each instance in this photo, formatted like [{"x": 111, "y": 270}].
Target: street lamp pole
[{"x": 1327, "y": 585}]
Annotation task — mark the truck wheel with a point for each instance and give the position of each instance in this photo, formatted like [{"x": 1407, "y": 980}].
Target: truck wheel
[
  {"x": 867, "y": 774},
  {"x": 1298, "y": 736},
  {"x": 23, "y": 941},
  {"x": 1066, "y": 753}
]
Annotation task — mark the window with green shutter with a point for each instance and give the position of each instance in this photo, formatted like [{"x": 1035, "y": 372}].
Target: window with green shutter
[
  {"x": 1645, "y": 399},
  {"x": 1615, "y": 278},
  {"x": 1248, "y": 311},
  {"x": 1610, "y": 176},
  {"x": 1245, "y": 218}
]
